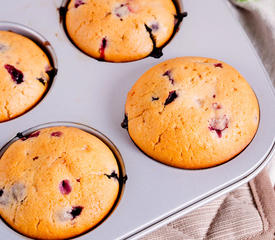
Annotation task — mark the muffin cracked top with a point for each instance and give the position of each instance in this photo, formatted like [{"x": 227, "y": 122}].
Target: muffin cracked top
[
  {"x": 192, "y": 112},
  {"x": 57, "y": 183},
  {"x": 24, "y": 74},
  {"x": 120, "y": 30}
]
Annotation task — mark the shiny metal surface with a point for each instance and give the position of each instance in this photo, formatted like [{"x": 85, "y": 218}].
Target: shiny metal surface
[{"x": 93, "y": 93}]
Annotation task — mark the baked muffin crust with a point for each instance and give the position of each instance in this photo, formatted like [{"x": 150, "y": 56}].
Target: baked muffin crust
[
  {"x": 120, "y": 30},
  {"x": 192, "y": 112},
  {"x": 57, "y": 183},
  {"x": 24, "y": 74}
]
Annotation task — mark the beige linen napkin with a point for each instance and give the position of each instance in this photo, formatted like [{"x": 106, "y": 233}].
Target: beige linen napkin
[
  {"x": 248, "y": 212},
  {"x": 258, "y": 19}
]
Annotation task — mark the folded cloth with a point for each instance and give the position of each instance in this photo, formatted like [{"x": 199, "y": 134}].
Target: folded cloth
[
  {"x": 258, "y": 19},
  {"x": 247, "y": 213},
  {"x": 244, "y": 214}
]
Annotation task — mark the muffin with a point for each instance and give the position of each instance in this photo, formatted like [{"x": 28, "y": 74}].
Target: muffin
[
  {"x": 57, "y": 183},
  {"x": 120, "y": 30},
  {"x": 24, "y": 74},
  {"x": 192, "y": 112}
]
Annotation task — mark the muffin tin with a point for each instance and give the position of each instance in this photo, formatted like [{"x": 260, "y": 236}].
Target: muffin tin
[
  {"x": 93, "y": 93},
  {"x": 122, "y": 174}
]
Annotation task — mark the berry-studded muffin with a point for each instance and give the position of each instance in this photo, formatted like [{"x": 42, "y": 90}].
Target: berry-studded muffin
[
  {"x": 121, "y": 30},
  {"x": 192, "y": 112},
  {"x": 24, "y": 74},
  {"x": 57, "y": 183}
]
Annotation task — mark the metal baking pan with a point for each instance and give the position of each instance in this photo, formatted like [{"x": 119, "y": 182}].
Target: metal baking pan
[{"x": 93, "y": 93}]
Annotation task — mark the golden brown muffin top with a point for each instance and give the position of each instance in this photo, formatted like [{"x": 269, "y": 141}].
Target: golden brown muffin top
[
  {"x": 120, "y": 30},
  {"x": 57, "y": 183},
  {"x": 192, "y": 112},
  {"x": 24, "y": 74}
]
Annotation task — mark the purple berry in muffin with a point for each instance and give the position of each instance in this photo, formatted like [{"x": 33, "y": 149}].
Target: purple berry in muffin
[
  {"x": 171, "y": 97},
  {"x": 122, "y": 10},
  {"x": 56, "y": 134},
  {"x": 168, "y": 74},
  {"x": 218, "y": 65},
  {"x": 56, "y": 181},
  {"x": 34, "y": 134},
  {"x": 65, "y": 187},
  {"x": 218, "y": 125},
  {"x": 16, "y": 75},
  {"x": 103, "y": 47},
  {"x": 78, "y": 3},
  {"x": 76, "y": 211}
]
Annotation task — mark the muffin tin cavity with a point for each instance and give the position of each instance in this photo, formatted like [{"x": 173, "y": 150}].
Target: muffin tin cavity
[
  {"x": 186, "y": 117},
  {"x": 94, "y": 92},
  {"x": 108, "y": 175},
  {"x": 19, "y": 71},
  {"x": 142, "y": 33}
]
